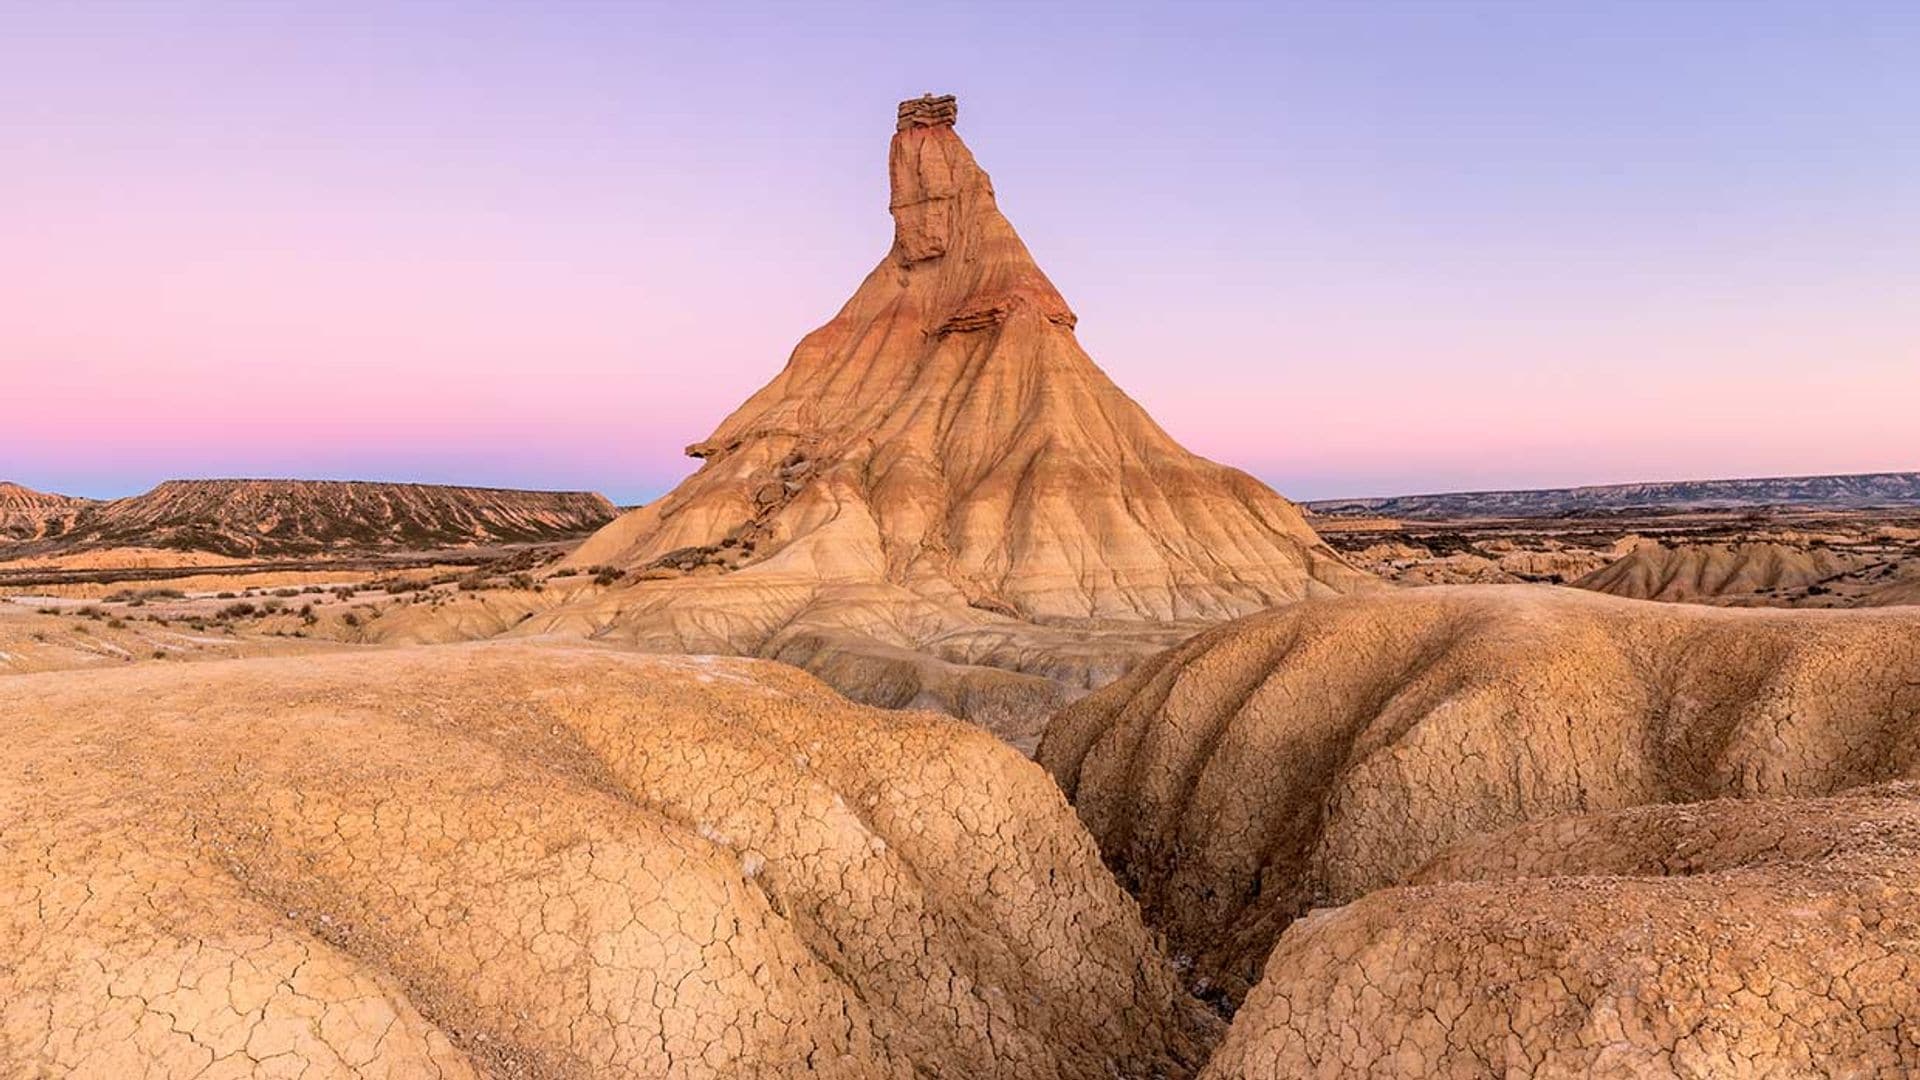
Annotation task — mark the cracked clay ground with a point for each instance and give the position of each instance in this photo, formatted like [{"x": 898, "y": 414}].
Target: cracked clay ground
[
  {"x": 513, "y": 860},
  {"x": 1446, "y": 832}
]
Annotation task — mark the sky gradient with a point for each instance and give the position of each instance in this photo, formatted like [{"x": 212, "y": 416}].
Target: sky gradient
[{"x": 1353, "y": 248}]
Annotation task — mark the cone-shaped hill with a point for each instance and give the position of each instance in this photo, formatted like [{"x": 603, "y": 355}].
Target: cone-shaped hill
[{"x": 942, "y": 470}]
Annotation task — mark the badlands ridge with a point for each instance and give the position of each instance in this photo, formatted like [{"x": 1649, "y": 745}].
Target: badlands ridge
[{"x": 251, "y": 518}]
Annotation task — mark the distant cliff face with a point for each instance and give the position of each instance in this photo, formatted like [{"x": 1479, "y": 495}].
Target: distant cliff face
[
  {"x": 1861, "y": 491},
  {"x": 316, "y": 517},
  {"x": 26, "y": 514}
]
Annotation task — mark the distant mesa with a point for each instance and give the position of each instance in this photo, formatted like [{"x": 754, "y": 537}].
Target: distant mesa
[
  {"x": 941, "y": 500},
  {"x": 1837, "y": 492},
  {"x": 260, "y": 518}
]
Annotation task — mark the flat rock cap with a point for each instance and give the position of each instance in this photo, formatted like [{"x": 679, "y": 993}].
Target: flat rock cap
[{"x": 928, "y": 111}]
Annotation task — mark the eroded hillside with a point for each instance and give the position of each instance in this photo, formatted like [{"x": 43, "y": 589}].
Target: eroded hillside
[
  {"x": 1308, "y": 756},
  {"x": 1877, "y": 571},
  {"x": 26, "y": 514}
]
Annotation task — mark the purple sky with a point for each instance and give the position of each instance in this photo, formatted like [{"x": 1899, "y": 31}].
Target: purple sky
[{"x": 1353, "y": 248}]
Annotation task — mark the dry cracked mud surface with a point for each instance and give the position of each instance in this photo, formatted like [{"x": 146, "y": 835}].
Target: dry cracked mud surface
[
  {"x": 534, "y": 860},
  {"x": 1732, "y": 938},
  {"x": 1307, "y": 757}
]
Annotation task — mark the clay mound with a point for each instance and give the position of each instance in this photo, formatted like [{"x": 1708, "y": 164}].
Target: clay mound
[
  {"x": 1313, "y": 754},
  {"x": 1707, "y": 573},
  {"x": 940, "y": 467},
  {"x": 26, "y": 514},
  {"x": 529, "y": 861},
  {"x": 1732, "y": 938},
  {"x": 254, "y": 518}
]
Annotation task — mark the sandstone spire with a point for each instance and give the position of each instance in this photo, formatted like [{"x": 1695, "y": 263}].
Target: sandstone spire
[{"x": 944, "y": 442}]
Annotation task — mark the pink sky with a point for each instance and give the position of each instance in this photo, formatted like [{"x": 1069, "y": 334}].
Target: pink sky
[{"x": 1354, "y": 254}]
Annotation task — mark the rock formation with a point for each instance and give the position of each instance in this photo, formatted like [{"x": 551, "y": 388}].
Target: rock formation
[
  {"x": 941, "y": 479},
  {"x": 517, "y": 860},
  {"x": 1311, "y": 755}
]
